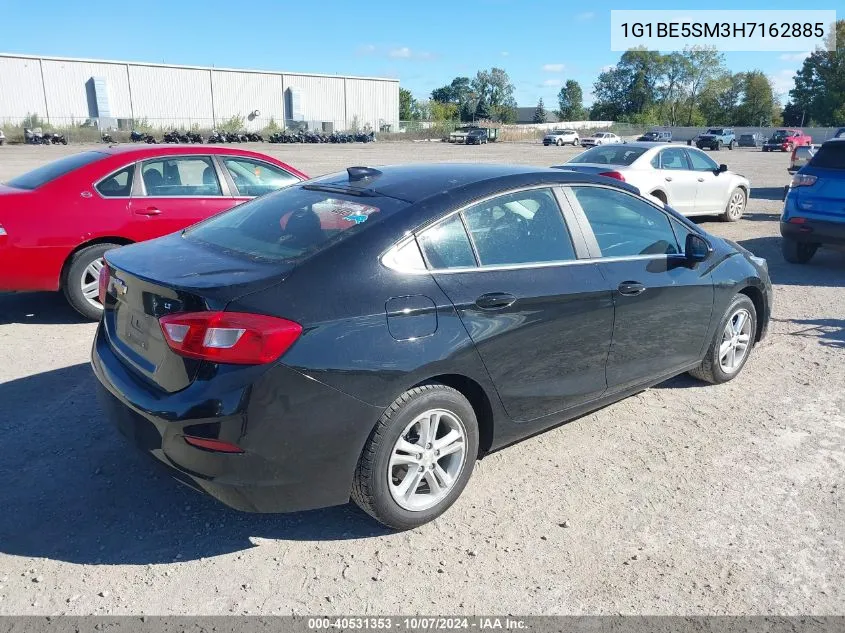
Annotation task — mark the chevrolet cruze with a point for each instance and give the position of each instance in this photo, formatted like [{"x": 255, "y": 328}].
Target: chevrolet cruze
[{"x": 370, "y": 334}]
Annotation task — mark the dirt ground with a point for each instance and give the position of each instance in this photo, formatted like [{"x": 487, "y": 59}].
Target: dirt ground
[{"x": 685, "y": 499}]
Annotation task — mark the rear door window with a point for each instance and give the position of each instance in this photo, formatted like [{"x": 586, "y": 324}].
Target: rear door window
[
  {"x": 292, "y": 223},
  {"x": 830, "y": 156},
  {"x": 118, "y": 185},
  {"x": 180, "y": 176},
  {"x": 46, "y": 173},
  {"x": 446, "y": 245}
]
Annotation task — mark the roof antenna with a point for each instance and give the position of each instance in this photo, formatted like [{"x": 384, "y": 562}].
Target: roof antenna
[{"x": 357, "y": 174}]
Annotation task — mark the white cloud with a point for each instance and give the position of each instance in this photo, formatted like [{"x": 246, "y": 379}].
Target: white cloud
[
  {"x": 402, "y": 53},
  {"x": 551, "y": 83},
  {"x": 605, "y": 69},
  {"x": 553, "y": 68},
  {"x": 505, "y": 53},
  {"x": 794, "y": 57},
  {"x": 367, "y": 49},
  {"x": 587, "y": 15},
  {"x": 783, "y": 82}
]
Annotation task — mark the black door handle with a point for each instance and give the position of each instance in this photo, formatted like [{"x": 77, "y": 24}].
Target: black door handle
[
  {"x": 495, "y": 300},
  {"x": 631, "y": 288}
]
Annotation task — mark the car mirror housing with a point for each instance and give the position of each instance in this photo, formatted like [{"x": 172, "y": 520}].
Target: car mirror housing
[
  {"x": 696, "y": 249},
  {"x": 723, "y": 168}
]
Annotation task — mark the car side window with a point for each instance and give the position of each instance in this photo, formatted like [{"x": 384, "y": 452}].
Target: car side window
[
  {"x": 180, "y": 176},
  {"x": 255, "y": 177},
  {"x": 519, "y": 228},
  {"x": 673, "y": 158},
  {"x": 446, "y": 245},
  {"x": 701, "y": 161},
  {"x": 118, "y": 185},
  {"x": 625, "y": 226}
]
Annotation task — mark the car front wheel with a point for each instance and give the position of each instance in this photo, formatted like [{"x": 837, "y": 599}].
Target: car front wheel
[
  {"x": 796, "y": 252},
  {"x": 576, "y": 142},
  {"x": 560, "y": 142},
  {"x": 736, "y": 205},
  {"x": 418, "y": 458},
  {"x": 81, "y": 282},
  {"x": 731, "y": 344}
]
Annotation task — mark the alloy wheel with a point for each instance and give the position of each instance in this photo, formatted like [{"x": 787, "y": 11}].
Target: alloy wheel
[
  {"x": 427, "y": 460},
  {"x": 90, "y": 283},
  {"x": 736, "y": 205},
  {"x": 736, "y": 340}
]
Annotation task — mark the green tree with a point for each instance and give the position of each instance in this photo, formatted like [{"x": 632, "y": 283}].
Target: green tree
[
  {"x": 495, "y": 90},
  {"x": 676, "y": 71},
  {"x": 442, "y": 111},
  {"x": 570, "y": 102},
  {"x": 758, "y": 106},
  {"x": 539, "y": 112},
  {"x": 705, "y": 65},
  {"x": 408, "y": 107},
  {"x": 819, "y": 90}
]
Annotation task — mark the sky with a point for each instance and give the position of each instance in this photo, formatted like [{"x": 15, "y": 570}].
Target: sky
[{"x": 541, "y": 44}]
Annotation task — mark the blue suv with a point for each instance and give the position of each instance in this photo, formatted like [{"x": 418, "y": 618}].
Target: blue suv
[{"x": 814, "y": 207}]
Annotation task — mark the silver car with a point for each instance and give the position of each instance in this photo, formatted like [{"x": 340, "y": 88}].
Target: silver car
[{"x": 684, "y": 178}]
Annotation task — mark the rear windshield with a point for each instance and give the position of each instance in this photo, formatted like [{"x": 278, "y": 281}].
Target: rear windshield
[
  {"x": 292, "y": 223},
  {"x": 44, "y": 174},
  {"x": 830, "y": 156},
  {"x": 715, "y": 130},
  {"x": 610, "y": 155}
]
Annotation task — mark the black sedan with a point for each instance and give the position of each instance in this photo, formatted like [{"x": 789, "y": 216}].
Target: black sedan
[{"x": 370, "y": 334}]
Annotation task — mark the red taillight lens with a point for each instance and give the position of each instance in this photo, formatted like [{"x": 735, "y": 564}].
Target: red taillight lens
[
  {"x": 797, "y": 220},
  {"x": 613, "y": 174},
  {"x": 103, "y": 281},
  {"x": 213, "y": 445},
  {"x": 229, "y": 337},
  {"x": 803, "y": 180}
]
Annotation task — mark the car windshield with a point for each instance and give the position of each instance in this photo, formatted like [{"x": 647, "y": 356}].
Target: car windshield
[
  {"x": 609, "y": 155},
  {"x": 780, "y": 135},
  {"x": 46, "y": 173},
  {"x": 747, "y": 137},
  {"x": 293, "y": 223},
  {"x": 714, "y": 130},
  {"x": 830, "y": 156}
]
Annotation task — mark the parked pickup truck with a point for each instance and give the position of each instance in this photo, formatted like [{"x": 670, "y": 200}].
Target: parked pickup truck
[
  {"x": 716, "y": 138},
  {"x": 786, "y": 140}
]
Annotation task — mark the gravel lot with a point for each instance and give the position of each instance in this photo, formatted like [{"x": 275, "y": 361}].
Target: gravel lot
[{"x": 684, "y": 499}]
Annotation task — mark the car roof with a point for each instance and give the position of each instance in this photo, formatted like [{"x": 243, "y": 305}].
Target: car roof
[
  {"x": 458, "y": 181},
  {"x": 144, "y": 150},
  {"x": 649, "y": 144}
]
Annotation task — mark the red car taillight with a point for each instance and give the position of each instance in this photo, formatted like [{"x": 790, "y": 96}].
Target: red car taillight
[
  {"x": 803, "y": 180},
  {"x": 229, "y": 337},
  {"x": 218, "y": 446},
  {"x": 103, "y": 281},
  {"x": 613, "y": 174}
]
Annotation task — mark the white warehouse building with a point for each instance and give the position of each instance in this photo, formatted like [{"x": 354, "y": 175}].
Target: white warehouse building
[{"x": 64, "y": 91}]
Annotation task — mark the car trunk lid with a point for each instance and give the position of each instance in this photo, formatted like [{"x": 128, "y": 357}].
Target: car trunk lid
[{"x": 166, "y": 276}]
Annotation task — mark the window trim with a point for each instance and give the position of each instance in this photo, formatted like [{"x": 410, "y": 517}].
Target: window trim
[
  {"x": 97, "y": 183},
  {"x": 230, "y": 182},
  {"x": 142, "y": 188},
  {"x": 582, "y": 254}
]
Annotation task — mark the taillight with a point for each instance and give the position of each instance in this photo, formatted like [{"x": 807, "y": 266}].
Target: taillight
[
  {"x": 613, "y": 174},
  {"x": 229, "y": 337},
  {"x": 803, "y": 180},
  {"x": 103, "y": 281}
]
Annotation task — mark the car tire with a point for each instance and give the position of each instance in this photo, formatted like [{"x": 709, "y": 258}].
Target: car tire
[
  {"x": 731, "y": 146},
  {"x": 576, "y": 142},
  {"x": 796, "y": 252},
  {"x": 736, "y": 205},
  {"x": 559, "y": 142},
  {"x": 83, "y": 270},
  {"x": 738, "y": 327},
  {"x": 718, "y": 146},
  {"x": 377, "y": 487}
]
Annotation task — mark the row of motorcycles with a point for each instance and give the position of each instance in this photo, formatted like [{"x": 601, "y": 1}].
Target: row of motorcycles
[
  {"x": 38, "y": 137},
  {"x": 308, "y": 136}
]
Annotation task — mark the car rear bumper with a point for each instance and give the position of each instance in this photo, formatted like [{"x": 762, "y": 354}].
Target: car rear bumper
[
  {"x": 815, "y": 232},
  {"x": 301, "y": 439}
]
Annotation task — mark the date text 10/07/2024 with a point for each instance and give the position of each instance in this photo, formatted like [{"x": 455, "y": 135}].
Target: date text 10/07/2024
[{"x": 416, "y": 623}]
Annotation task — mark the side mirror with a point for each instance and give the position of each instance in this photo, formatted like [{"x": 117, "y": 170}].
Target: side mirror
[
  {"x": 696, "y": 248},
  {"x": 723, "y": 168}
]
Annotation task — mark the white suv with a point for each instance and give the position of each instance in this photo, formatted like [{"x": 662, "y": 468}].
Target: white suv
[
  {"x": 2, "y": 137},
  {"x": 562, "y": 137}
]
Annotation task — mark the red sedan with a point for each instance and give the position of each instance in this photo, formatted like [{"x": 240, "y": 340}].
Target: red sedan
[{"x": 58, "y": 220}]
